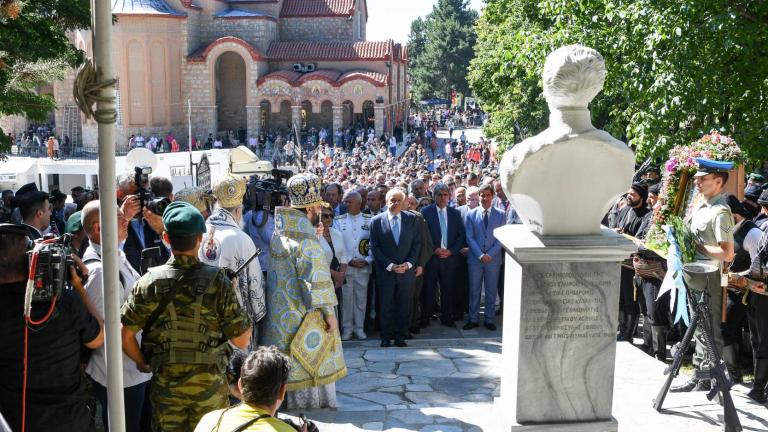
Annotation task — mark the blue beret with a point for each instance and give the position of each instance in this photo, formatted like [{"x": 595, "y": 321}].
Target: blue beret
[{"x": 183, "y": 219}]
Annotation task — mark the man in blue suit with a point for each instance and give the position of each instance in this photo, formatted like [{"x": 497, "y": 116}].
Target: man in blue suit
[
  {"x": 395, "y": 244},
  {"x": 485, "y": 257},
  {"x": 447, "y": 231}
]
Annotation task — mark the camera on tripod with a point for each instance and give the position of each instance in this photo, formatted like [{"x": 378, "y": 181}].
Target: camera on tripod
[
  {"x": 266, "y": 194},
  {"x": 146, "y": 197},
  {"x": 50, "y": 262}
]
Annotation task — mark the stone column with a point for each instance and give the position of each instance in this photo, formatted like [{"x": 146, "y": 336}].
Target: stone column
[
  {"x": 378, "y": 114},
  {"x": 254, "y": 121},
  {"x": 88, "y": 181},
  {"x": 559, "y": 341},
  {"x": 338, "y": 119}
]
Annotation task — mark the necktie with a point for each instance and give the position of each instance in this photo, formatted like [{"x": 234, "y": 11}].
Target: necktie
[
  {"x": 485, "y": 219},
  {"x": 396, "y": 229},
  {"x": 443, "y": 228}
]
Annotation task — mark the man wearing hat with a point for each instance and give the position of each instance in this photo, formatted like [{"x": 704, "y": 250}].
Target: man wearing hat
[
  {"x": 299, "y": 282},
  {"x": 761, "y": 220},
  {"x": 711, "y": 225},
  {"x": 226, "y": 245},
  {"x": 187, "y": 342},
  {"x": 201, "y": 198},
  {"x": 632, "y": 219}
]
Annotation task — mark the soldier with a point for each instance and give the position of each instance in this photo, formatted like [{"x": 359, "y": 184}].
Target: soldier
[
  {"x": 712, "y": 228},
  {"x": 226, "y": 245},
  {"x": 187, "y": 311},
  {"x": 355, "y": 228}
]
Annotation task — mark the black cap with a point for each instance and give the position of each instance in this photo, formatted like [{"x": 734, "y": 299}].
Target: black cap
[
  {"x": 29, "y": 187},
  {"x": 752, "y": 191},
  {"x": 13, "y": 229},
  {"x": 655, "y": 189}
]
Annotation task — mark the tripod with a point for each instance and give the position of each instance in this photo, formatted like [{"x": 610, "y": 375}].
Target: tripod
[{"x": 721, "y": 382}]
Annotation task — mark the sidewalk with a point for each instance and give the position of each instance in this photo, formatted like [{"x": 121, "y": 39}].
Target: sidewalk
[{"x": 446, "y": 380}]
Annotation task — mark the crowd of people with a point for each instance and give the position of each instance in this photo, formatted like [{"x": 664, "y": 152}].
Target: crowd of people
[
  {"x": 375, "y": 242},
  {"x": 730, "y": 234}
]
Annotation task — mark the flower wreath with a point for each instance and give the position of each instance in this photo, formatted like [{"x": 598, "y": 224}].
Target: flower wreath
[{"x": 677, "y": 197}]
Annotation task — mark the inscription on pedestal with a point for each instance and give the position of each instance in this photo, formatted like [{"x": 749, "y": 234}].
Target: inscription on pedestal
[{"x": 564, "y": 308}]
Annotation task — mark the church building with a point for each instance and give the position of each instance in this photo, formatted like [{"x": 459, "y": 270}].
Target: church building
[{"x": 244, "y": 66}]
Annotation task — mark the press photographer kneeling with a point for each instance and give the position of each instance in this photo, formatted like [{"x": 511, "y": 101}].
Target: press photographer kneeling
[{"x": 41, "y": 384}]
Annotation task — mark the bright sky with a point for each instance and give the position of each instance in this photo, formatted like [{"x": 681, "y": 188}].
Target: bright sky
[{"x": 391, "y": 19}]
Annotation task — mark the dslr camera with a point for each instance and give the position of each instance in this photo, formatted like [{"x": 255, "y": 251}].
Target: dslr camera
[{"x": 146, "y": 197}]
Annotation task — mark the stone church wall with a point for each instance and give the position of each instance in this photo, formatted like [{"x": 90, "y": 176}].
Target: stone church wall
[{"x": 332, "y": 29}]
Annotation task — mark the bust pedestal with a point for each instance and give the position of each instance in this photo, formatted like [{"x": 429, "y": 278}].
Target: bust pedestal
[{"x": 559, "y": 343}]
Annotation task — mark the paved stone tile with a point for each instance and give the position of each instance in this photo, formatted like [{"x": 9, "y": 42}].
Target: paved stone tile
[
  {"x": 383, "y": 367},
  {"x": 353, "y": 363},
  {"x": 401, "y": 355},
  {"x": 397, "y": 407},
  {"x": 381, "y": 398},
  {"x": 368, "y": 381},
  {"x": 374, "y": 426},
  {"x": 441, "y": 428},
  {"x": 432, "y": 398},
  {"x": 428, "y": 368},
  {"x": 418, "y": 387},
  {"x": 453, "y": 353},
  {"x": 394, "y": 389},
  {"x": 350, "y": 403}
]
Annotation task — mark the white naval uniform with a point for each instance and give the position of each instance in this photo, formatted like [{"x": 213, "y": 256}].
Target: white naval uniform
[{"x": 356, "y": 231}]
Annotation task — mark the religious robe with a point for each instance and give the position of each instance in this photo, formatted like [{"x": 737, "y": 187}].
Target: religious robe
[{"x": 298, "y": 282}]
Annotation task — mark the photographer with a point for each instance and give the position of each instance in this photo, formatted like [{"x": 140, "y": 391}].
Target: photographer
[
  {"x": 56, "y": 391},
  {"x": 262, "y": 383},
  {"x": 145, "y": 227},
  {"x": 263, "y": 196},
  {"x": 134, "y": 382}
]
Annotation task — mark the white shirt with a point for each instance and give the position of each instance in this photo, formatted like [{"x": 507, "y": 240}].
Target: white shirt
[
  {"x": 355, "y": 230},
  {"x": 218, "y": 143},
  {"x": 94, "y": 287},
  {"x": 342, "y": 253}
]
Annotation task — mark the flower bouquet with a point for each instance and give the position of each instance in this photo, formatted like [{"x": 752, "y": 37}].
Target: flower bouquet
[{"x": 678, "y": 193}]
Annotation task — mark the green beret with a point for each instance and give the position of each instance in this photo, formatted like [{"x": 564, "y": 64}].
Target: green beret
[
  {"x": 757, "y": 177},
  {"x": 183, "y": 219},
  {"x": 74, "y": 223}
]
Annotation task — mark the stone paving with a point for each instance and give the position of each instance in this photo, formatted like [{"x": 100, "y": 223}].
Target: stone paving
[
  {"x": 433, "y": 385},
  {"x": 446, "y": 380}
]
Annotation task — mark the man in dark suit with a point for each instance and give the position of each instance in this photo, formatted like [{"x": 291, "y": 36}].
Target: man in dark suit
[
  {"x": 395, "y": 244},
  {"x": 141, "y": 236},
  {"x": 448, "y": 236},
  {"x": 485, "y": 257}
]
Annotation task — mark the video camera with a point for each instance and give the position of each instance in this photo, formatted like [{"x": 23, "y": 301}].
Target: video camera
[
  {"x": 146, "y": 197},
  {"x": 50, "y": 263},
  {"x": 266, "y": 194}
]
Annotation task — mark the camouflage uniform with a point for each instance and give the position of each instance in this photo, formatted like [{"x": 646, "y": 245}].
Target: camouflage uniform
[{"x": 188, "y": 342}]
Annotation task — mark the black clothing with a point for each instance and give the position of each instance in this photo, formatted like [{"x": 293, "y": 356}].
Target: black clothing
[
  {"x": 742, "y": 260},
  {"x": 632, "y": 221},
  {"x": 133, "y": 246},
  {"x": 34, "y": 233},
  {"x": 56, "y": 388}
]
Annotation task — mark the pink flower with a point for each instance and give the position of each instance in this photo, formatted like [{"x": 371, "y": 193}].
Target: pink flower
[{"x": 671, "y": 165}]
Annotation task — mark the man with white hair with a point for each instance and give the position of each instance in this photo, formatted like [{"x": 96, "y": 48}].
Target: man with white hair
[
  {"x": 355, "y": 228},
  {"x": 225, "y": 244}
]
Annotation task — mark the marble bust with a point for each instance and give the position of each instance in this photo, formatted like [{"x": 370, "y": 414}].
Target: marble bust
[{"x": 563, "y": 180}]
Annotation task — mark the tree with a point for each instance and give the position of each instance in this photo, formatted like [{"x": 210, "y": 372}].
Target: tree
[
  {"x": 676, "y": 68},
  {"x": 440, "y": 48},
  {"x": 35, "y": 50}
]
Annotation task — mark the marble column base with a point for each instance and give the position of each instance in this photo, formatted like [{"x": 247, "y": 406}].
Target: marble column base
[
  {"x": 610, "y": 425},
  {"x": 560, "y": 319}
]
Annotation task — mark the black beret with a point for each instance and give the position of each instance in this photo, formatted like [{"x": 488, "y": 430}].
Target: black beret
[
  {"x": 752, "y": 191},
  {"x": 655, "y": 189}
]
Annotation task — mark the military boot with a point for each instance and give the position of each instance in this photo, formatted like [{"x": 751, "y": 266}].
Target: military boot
[
  {"x": 758, "y": 392},
  {"x": 731, "y": 359},
  {"x": 659, "y": 342}
]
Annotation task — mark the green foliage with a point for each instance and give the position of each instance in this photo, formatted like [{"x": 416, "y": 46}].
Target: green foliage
[
  {"x": 676, "y": 68},
  {"x": 34, "y": 50},
  {"x": 440, "y": 48}
]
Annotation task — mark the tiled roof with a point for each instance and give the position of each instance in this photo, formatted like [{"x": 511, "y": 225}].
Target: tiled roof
[
  {"x": 335, "y": 78},
  {"x": 144, "y": 7},
  {"x": 237, "y": 13},
  {"x": 317, "y": 8},
  {"x": 202, "y": 53},
  {"x": 282, "y": 75},
  {"x": 375, "y": 78},
  {"x": 329, "y": 51}
]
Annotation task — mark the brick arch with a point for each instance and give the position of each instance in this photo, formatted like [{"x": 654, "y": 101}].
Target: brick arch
[{"x": 248, "y": 53}]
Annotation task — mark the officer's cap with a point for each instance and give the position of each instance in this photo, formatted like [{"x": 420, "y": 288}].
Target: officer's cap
[
  {"x": 183, "y": 219},
  {"x": 74, "y": 223},
  {"x": 708, "y": 166}
]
